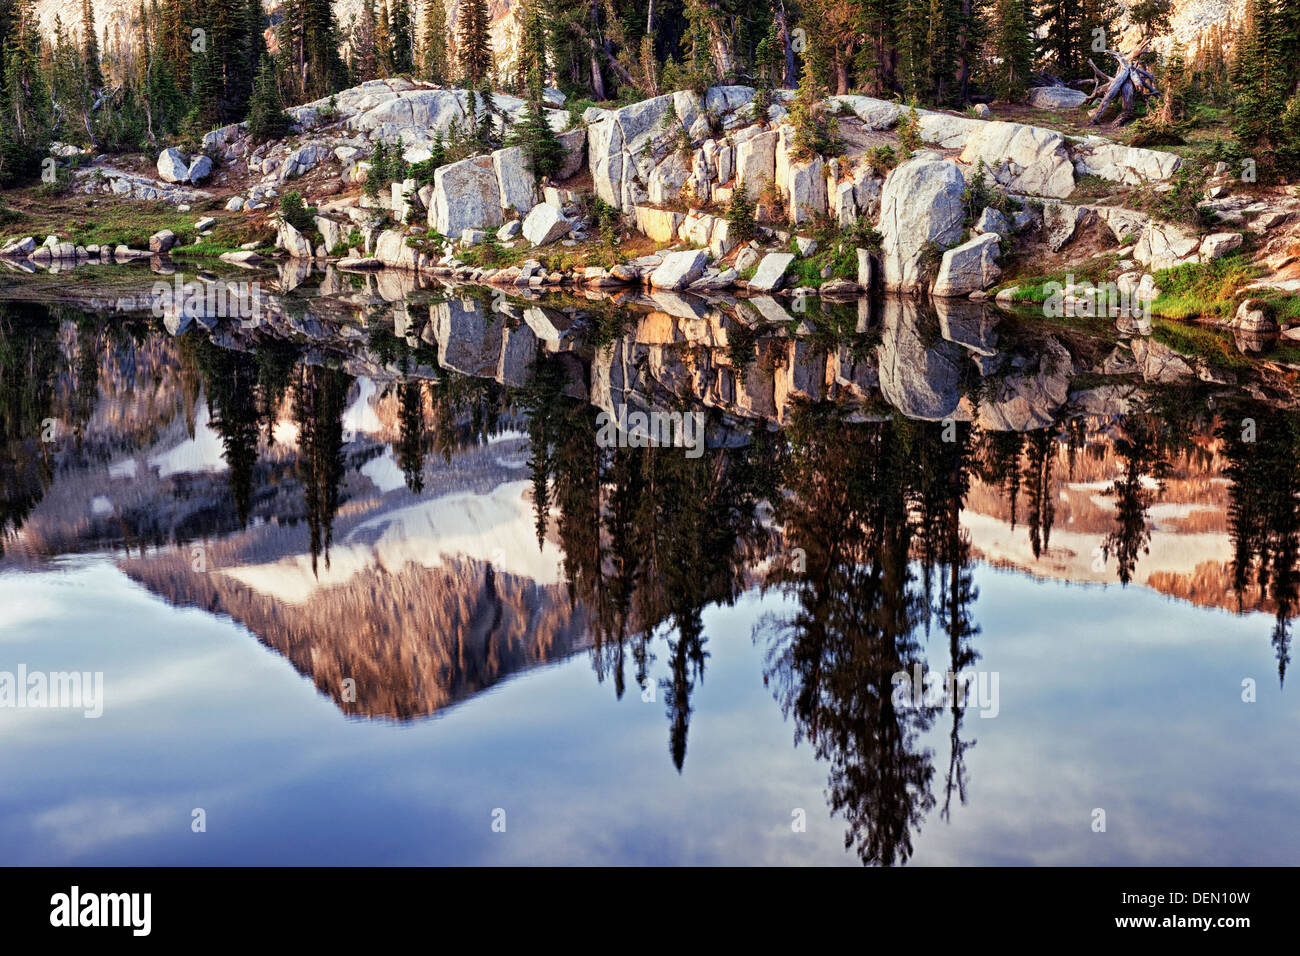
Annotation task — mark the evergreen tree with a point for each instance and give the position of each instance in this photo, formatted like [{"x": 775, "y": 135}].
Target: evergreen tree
[
  {"x": 433, "y": 55},
  {"x": 25, "y": 133},
  {"x": 90, "y": 47},
  {"x": 266, "y": 116},
  {"x": 366, "y": 64},
  {"x": 383, "y": 39},
  {"x": 474, "y": 45},
  {"x": 1262, "y": 122},
  {"x": 1012, "y": 49},
  {"x": 402, "y": 36}
]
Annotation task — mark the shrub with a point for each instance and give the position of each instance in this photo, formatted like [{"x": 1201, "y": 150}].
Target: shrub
[
  {"x": 740, "y": 216},
  {"x": 909, "y": 132},
  {"x": 295, "y": 212}
]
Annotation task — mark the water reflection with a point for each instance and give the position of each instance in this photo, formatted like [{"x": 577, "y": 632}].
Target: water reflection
[{"x": 410, "y": 502}]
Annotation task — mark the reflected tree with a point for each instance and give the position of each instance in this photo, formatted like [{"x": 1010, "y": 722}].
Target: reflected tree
[
  {"x": 1141, "y": 447},
  {"x": 1261, "y": 446},
  {"x": 29, "y": 363},
  {"x": 319, "y": 400},
  {"x": 409, "y": 447},
  {"x": 833, "y": 662}
]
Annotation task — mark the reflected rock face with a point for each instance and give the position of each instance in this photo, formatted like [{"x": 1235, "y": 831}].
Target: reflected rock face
[
  {"x": 411, "y": 642},
  {"x": 920, "y": 375}
]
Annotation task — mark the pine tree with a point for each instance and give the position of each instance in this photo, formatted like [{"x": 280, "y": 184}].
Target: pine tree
[
  {"x": 383, "y": 39},
  {"x": 366, "y": 65},
  {"x": 403, "y": 37},
  {"x": 90, "y": 47},
  {"x": 174, "y": 41},
  {"x": 1261, "y": 115},
  {"x": 433, "y": 59},
  {"x": 25, "y": 132},
  {"x": 1011, "y": 48},
  {"x": 266, "y": 116},
  {"x": 474, "y": 46}
]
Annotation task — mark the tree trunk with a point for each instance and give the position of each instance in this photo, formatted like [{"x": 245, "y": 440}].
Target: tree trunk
[{"x": 783, "y": 29}]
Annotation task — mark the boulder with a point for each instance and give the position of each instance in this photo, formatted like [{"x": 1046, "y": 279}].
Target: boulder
[
  {"x": 509, "y": 231},
  {"x": 720, "y": 241},
  {"x": 756, "y": 163},
  {"x": 391, "y": 249},
  {"x": 292, "y": 241},
  {"x": 771, "y": 272},
  {"x": 1056, "y": 98},
  {"x": 865, "y": 269},
  {"x": 970, "y": 267},
  {"x": 515, "y": 180},
  {"x": 173, "y": 165},
  {"x": 991, "y": 220},
  {"x": 162, "y": 241},
  {"x": 1028, "y": 160},
  {"x": 922, "y": 205},
  {"x": 1059, "y": 222},
  {"x": 574, "y": 143},
  {"x": 807, "y": 188},
  {"x": 679, "y": 269},
  {"x": 1129, "y": 165},
  {"x": 1251, "y": 317},
  {"x": 19, "y": 248},
  {"x": 331, "y": 232},
  {"x": 199, "y": 169},
  {"x": 241, "y": 257},
  {"x": 1219, "y": 244},
  {"x": 665, "y": 181},
  {"x": 661, "y": 225},
  {"x": 465, "y": 195},
  {"x": 545, "y": 224},
  {"x": 745, "y": 258},
  {"x": 1162, "y": 245}
]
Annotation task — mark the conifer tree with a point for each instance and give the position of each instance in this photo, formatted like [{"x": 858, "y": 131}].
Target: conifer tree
[
  {"x": 366, "y": 63},
  {"x": 474, "y": 45},
  {"x": 266, "y": 116},
  {"x": 402, "y": 37},
  {"x": 533, "y": 132},
  {"x": 1012, "y": 49},
  {"x": 90, "y": 47},
  {"x": 383, "y": 39},
  {"x": 433, "y": 56},
  {"x": 25, "y": 132}
]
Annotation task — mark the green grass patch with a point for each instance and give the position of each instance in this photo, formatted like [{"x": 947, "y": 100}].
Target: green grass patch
[{"x": 1203, "y": 289}]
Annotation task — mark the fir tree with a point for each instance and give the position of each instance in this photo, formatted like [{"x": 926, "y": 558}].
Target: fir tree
[
  {"x": 474, "y": 45},
  {"x": 433, "y": 57},
  {"x": 266, "y": 116},
  {"x": 90, "y": 47},
  {"x": 402, "y": 35},
  {"x": 1012, "y": 49}
]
